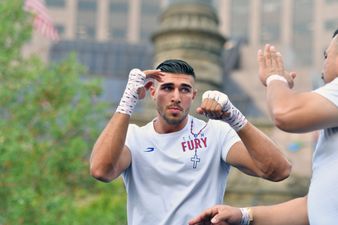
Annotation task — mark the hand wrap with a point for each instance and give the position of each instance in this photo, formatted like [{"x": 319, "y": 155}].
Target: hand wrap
[
  {"x": 130, "y": 96},
  {"x": 247, "y": 216},
  {"x": 235, "y": 118}
]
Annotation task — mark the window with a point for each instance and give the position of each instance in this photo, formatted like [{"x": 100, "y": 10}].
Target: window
[
  {"x": 239, "y": 26},
  {"x": 271, "y": 21},
  {"x": 150, "y": 8},
  {"x": 302, "y": 31},
  {"x": 86, "y": 19},
  {"x": 119, "y": 7},
  {"x": 118, "y": 19},
  {"x": 87, "y": 5},
  {"x": 150, "y": 11},
  {"x": 56, "y": 3},
  {"x": 119, "y": 33}
]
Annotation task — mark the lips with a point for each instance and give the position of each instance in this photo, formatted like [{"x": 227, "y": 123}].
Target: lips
[{"x": 175, "y": 108}]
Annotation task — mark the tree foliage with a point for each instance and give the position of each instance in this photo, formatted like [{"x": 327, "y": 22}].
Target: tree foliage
[{"x": 49, "y": 119}]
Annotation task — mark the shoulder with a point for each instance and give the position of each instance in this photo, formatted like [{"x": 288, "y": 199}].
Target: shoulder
[
  {"x": 219, "y": 124},
  {"x": 133, "y": 128},
  {"x": 329, "y": 91}
]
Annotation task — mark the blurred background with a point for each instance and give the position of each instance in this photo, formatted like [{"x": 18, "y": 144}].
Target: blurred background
[{"x": 64, "y": 65}]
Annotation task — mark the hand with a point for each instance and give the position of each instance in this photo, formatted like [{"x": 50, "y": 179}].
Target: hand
[
  {"x": 271, "y": 62},
  {"x": 218, "y": 215},
  {"x": 216, "y": 105},
  {"x": 150, "y": 76},
  {"x": 212, "y": 105},
  {"x": 137, "y": 85}
]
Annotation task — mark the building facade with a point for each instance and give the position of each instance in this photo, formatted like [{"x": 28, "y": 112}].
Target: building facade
[{"x": 300, "y": 28}]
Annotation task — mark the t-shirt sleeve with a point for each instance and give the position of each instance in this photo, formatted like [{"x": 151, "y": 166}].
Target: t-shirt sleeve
[
  {"x": 130, "y": 139},
  {"x": 329, "y": 91},
  {"x": 130, "y": 142},
  {"x": 228, "y": 136}
]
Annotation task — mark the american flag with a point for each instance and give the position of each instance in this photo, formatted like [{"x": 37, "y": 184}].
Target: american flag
[{"x": 42, "y": 21}]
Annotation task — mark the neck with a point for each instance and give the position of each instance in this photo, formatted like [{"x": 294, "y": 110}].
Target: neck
[{"x": 163, "y": 127}]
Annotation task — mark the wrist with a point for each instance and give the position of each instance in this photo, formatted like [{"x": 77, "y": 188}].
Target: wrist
[
  {"x": 236, "y": 119},
  {"x": 275, "y": 77},
  {"x": 232, "y": 116},
  {"x": 127, "y": 103},
  {"x": 247, "y": 216},
  {"x": 130, "y": 96}
]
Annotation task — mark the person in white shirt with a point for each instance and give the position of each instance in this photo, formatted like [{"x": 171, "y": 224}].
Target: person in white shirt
[
  {"x": 176, "y": 161},
  {"x": 296, "y": 112}
]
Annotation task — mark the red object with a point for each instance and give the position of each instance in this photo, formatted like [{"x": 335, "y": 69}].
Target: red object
[{"x": 42, "y": 21}]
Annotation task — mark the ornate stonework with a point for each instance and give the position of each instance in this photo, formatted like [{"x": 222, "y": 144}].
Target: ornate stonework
[{"x": 189, "y": 31}]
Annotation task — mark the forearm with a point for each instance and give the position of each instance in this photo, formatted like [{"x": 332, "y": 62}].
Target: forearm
[
  {"x": 272, "y": 164},
  {"x": 108, "y": 147},
  {"x": 293, "y": 212}
]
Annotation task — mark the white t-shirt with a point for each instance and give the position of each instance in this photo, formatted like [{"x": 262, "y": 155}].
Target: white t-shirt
[
  {"x": 323, "y": 192},
  {"x": 174, "y": 176}
]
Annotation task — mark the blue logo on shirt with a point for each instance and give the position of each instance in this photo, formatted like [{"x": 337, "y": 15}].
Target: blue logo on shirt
[{"x": 150, "y": 149}]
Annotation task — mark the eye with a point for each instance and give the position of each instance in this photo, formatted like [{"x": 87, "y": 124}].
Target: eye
[
  {"x": 325, "y": 55},
  {"x": 166, "y": 88},
  {"x": 185, "y": 90}
]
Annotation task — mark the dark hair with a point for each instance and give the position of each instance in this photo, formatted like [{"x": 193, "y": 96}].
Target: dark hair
[
  {"x": 176, "y": 66},
  {"x": 335, "y": 33}
]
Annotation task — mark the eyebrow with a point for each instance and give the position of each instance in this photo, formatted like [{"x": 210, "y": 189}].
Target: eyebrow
[{"x": 172, "y": 84}]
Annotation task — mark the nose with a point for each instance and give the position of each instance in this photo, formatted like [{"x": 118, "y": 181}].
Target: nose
[{"x": 176, "y": 97}]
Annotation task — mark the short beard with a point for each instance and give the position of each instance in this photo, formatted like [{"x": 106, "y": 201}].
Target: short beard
[{"x": 174, "y": 121}]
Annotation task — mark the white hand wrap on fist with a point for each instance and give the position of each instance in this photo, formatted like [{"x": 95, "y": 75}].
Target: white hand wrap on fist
[
  {"x": 130, "y": 96},
  {"x": 235, "y": 118}
]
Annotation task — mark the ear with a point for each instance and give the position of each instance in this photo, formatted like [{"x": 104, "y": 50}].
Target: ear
[
  {"x": 194, "y": 94},
  {"x": 152, "y": 91}
]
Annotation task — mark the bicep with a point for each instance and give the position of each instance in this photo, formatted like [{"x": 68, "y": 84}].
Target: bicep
[
  {"x": 328, "y": 112},
  {"x": 239, "y": 157},
  {"x": 306, "y": 112}
]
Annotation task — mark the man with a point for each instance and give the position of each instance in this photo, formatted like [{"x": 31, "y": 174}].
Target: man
[
  {"x": 297, "y": 112},
  {"x": 173, "y": 163}
]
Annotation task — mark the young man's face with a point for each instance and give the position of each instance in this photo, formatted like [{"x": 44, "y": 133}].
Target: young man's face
[
  {"x": 173, "y": 97},
  {"x": 330, "y": 67}
]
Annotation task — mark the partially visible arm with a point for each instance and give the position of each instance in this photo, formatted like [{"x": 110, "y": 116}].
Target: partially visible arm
[
  {"x": 292, "y": 111},
  {"x": 258, "y": 155},
  {"x": 110, "y": 157},
  {"x": 293, "y": 212},
  {"x": 299, "y": 112}
]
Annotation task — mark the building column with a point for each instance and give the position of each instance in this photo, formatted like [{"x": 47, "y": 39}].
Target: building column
[
  {"x": 287, "y": 15},
  {"x": 255, "y": 18},
  {"x": 224, "y": 14},
  {"x": 133, "y": 32},
  {"x": 102, "y": 20},
  {"x": 318, "y": 32},
  {"x": 71, "y": 8}
]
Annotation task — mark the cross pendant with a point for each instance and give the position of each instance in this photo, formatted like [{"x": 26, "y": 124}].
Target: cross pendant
[{"x": 195, "y": 160}]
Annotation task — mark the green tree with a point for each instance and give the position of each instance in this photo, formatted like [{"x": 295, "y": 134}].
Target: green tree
[{"x": 49, "y": 119}]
